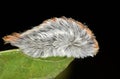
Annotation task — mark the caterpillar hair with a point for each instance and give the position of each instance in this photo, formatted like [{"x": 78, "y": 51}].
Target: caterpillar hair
[{"x": 56, "y": 37}]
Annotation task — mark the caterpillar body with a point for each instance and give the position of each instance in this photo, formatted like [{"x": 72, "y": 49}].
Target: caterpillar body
[{"x": 56, "y": 37}]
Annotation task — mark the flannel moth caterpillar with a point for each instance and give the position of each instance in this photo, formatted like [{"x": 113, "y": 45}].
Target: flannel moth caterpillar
[{"x": 56, "y": 37}]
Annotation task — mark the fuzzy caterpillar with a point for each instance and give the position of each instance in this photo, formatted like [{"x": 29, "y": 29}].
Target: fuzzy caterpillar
[{"x": 56, "y": 37}]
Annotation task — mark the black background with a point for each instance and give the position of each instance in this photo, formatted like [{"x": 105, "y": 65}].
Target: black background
[{"x": 101, "y": 18}]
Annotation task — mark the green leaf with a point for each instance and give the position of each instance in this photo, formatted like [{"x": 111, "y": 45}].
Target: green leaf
[{"x": 15, "y": 65}]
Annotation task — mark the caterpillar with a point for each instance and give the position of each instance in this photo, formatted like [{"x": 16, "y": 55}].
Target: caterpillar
[{"x": 56, "y": 37}]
